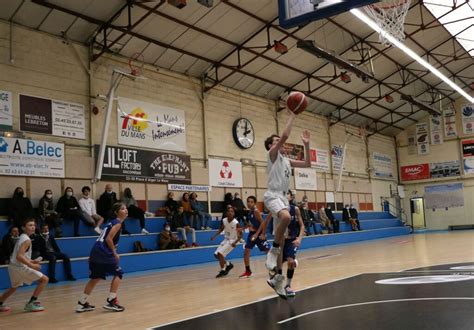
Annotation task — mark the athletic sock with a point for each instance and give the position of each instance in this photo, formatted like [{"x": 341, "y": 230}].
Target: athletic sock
[
  {"x": 112, "y": 296},
  {"x": 33, "y": 299},
  {"x": 227, "y": 263},
  {"x": 83, "y": 298},
  {"x": 276, "y": 245},
  {"x": 289, "y": 276},
  {"x": 247, "y": 269}
]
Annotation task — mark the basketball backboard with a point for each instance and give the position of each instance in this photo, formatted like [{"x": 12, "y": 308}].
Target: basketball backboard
[{"x": 300, "y": 12}]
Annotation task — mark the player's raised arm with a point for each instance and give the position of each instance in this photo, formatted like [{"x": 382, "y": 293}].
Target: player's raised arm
[
  {"x": 284, "y": 136},
  {"x": 305, "y": 137}
]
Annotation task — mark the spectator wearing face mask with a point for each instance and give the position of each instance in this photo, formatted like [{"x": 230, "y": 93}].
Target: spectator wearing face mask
[
  {"x": 334, "y": 222},
  {"x": 48, "y": 214},
  {"x": 8, "y": 243},
  {"x": 20, "y": 208},
  {"x": 105, "y": 203},
  {"x": 181, "y": 224},
  {"x": 354, "y": 215},
  {"x": 169, "y": 240},
  {"x": 89, "y": 213},
  {"x": 325, "y": 222},
  {"x": 45, "y": 246},
  {"x": 69, "y": 209}
]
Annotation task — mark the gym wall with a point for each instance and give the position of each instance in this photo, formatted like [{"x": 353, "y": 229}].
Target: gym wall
[{"x": 46, "y": 66}]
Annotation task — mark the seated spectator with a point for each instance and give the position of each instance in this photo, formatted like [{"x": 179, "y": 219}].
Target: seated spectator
[
  {"x": 181, "y": 224},
  {"x": 347, "y": 218},
  {"x": 133, "y": 210},
  {"x": 46, "y": 247},
  {"x": 228, "y": 200},
  {"x": 88, "y": 210},
  {"x": 169, "y": 240},
  {"x": 239, "y": 208},
  {"x": 354, "y": 215},
  {"x": 48, "y": 214},
  {"x": 171, "y": 206},
  {"x": 105, "y": 203},
  {"x": 8, "y": 244},
  {"x": 334, "y": 222},
  {"x": 309, "y": 219},
  {"x": 20, "y": 208},
  {"x": 68, "y": 208},
  {"x": 325, "y": 222},
  {"x": 202, "y": 218},
  {"x": 188, "y": 210}
]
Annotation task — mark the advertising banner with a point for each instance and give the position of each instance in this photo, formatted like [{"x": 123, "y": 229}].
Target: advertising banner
[
  {"x": 225, "y": 173},
  {"x": 467, "y": 113},
  {"x": 6, "y": 112},
  {"x": 445, "y": 169},
  {"x": 150, "y": 126},
  {"x": 468, "y": 156},
  {"x": 58, "y": 118},
  {"x": 31, "y": 158},
  {"x": 186, "y": 187},
  {"x": 415, "y": 172},
  {"x": 305, "y": 179},
  {"x": 128, "y": 164},
  {"x": 449, "y": 116},
  {"x": 336, "y": 152},
  {"x": 320, "y": 159},
  {"x": 422, "y": 139},
  {"x": 435, "y": 130},
  {"x": 444, "y": 196},
  {"x": 382, "y": 165}
]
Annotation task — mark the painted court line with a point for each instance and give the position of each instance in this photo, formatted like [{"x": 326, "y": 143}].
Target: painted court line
[
  {"x": 249, "y": 303},
  {"x": 371, "y": 303}
]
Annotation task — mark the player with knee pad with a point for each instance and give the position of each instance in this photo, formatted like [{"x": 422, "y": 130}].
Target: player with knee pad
[
  {"x": 279, "y": 173},
  {"x": 233, "y": 233},
  {"x": 256, "y": 234}
]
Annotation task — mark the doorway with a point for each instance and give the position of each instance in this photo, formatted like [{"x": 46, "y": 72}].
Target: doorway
[{"x": 417, "y": 206}]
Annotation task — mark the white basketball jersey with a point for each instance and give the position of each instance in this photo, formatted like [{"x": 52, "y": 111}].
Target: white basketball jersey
[
  {"x": 230, "y": 229},
  {"x": 23, "y": 239},
  {"x": 279, "y": 173}
]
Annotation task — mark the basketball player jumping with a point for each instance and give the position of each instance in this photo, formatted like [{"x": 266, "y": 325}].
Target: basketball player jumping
[{"x": 279, "y": 172}]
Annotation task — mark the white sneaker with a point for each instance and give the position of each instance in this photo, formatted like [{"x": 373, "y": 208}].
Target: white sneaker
[
  {"x": 97, "y": 230},
  {"x": 144, "y": 231},
  {"x": 272, "y": 257},
  {"x": 277, "y": 283}
]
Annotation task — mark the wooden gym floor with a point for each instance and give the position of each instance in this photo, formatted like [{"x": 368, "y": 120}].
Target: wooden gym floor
[{"x": 155, "y": 298}]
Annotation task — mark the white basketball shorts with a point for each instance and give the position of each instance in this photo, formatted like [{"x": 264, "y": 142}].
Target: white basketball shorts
[
  {"x": 225, "y": 247},
  {"x": 22, "y": 275}
]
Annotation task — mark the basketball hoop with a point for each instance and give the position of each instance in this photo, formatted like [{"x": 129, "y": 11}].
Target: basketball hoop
[
  {"x": 136, "y": 63},
  {"x": 390, "y": 17}
]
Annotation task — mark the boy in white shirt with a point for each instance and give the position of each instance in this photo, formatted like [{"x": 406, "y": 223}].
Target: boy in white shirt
[
  {"x": 89, "y": 211},
  {"x": 23, "y": 270}
]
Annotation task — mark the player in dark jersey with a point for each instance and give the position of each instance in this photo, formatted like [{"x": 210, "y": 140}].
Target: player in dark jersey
[
  {"x": 292, "y": 243},
  {"x": 254, "y": 223},
  {"x": 103, "y": 261}
]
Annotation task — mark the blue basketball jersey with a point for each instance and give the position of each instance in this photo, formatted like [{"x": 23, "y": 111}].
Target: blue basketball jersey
[
  {"x": 294, "y": 226},
  {"x": 101, "y": 252},
  {"x": 252, "y": 219}
]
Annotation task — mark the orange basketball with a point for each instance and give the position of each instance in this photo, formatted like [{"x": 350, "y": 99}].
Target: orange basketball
[{"x": 296, "y": 102}]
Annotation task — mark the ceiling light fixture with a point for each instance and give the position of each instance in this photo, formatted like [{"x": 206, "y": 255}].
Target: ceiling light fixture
[{"x": 364, "y": 18}]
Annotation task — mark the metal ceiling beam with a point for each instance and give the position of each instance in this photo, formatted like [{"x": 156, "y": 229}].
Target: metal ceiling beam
[
  {"x": 397, "y": 71},
  {"x": 179, "y": 50},
  {"x": 419, "y": 94}
]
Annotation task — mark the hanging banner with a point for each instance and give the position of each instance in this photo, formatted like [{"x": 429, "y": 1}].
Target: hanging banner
[
  {"x": 31, "y": 158},
  {"x": 415, "y": 172},
  {"x": 468, "y": 156},
  {"x": 127, "y": 164},
  {"x": 320, "y": 159},
  {"x": 435, "y": 130},
  {"x": 329, "y": 197},
  {"x": 422, "y": 139},
  {"x": 449, "y": 116},
  {"x": 467, "y": 113},
  {"x": 305, "y": 179},
  {"x": 58, "y": 118},
  {"x": 411, "y": 144},
  {"x": 444, "y": 196},
  {"x": 6, "y": 112},
  {"x": 150, "y": 126},
  {"x": 336, "y": 153},
  {"x": 445, "y": 169},
  {"x": 225, "y": 173},
  {"x": 189, "y": 188},
  {"x": 382, "y": 165}
]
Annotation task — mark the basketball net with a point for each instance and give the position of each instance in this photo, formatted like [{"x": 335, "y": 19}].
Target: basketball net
[
  {"x": 136, "y": 62},
  {"x": 390, "y": 17}
]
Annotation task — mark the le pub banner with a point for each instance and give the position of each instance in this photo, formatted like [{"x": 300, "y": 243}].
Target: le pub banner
[
  {"x": 46, "y": 116},
  {"x": 152, "y": 126},
  {"x": 128, "y": 164}
]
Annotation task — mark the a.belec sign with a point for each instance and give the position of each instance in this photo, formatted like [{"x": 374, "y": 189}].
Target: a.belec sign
[
  {"x": 31, "y": 158},
  {"x": 415, "y": 172},
  {"x": 225, "y": 173}
]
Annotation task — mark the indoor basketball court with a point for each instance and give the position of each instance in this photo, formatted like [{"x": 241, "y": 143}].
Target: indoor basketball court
[{"x": 154, "y": 138}]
